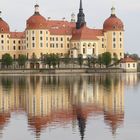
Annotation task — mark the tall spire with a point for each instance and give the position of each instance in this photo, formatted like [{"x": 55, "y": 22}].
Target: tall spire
[
  {"x": 80, "y": 17},
  {"x": 81, "y": 5}
]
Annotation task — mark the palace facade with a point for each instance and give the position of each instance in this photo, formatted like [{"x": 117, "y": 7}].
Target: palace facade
[{"x": 46, "y": 36}]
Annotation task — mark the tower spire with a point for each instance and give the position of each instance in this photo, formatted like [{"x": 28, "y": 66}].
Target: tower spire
[
  {"x": 80, "y": 17},
  {"x": 81, "y": 5}
]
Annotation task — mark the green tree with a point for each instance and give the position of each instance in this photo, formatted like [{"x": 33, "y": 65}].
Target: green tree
[
  {"x": 47, "y": 60},
  {"x": 99, "y": 60},
  {"x": 7, "y": 60},
  {"x": 93, "y": 61},
  {"x": 51, "y": 60},
  {"x": 66, "y": 60},
  {"x": 80, "y": 60},
  {"x": 115, "y": 60},
  {"x": 58, "y": 60},
  {"x": 106, "y": 58},
  {"x": 135, "y": 56},
  {"x": 54, "y": 60},
  {"x": 22, "y": 60},
  {"x": 34, "y": 58},
  {"x": 89, "y": 61}
]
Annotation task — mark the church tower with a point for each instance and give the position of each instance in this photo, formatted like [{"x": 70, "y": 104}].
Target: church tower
[{"x": 80, "y": 17}]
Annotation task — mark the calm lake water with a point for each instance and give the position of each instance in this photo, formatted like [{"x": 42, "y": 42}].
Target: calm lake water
[{"x": 70, "y": 107}]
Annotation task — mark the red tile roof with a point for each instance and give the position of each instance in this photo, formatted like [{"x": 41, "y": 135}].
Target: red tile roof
[
  {"x": 57, "y": 27},
  {"x": 36, "y": 21},
  {"x": 59, "y": 23},
  {"x": 86, "y": 33},
  {"x": 17, "y": 35},
  {"x": 127, "y": 59},
  {"x": 113, "y": 23},
  {"x": 4, "y": 27}
]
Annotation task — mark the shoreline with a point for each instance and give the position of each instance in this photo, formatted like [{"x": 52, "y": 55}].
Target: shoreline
[{"x": 64, "y": 71}]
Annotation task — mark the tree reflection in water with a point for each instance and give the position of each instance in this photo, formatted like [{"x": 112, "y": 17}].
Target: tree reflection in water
[{"x": 60, "y": 100}]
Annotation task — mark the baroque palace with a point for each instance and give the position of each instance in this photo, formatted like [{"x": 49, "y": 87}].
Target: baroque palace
[{"x": 46, "y": 36}]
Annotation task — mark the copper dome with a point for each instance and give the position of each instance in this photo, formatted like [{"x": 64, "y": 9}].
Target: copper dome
[
  {"x": 36, "y": 21},
  {"x": 113, "y": 23}
]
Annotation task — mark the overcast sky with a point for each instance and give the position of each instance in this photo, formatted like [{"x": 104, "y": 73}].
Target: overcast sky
[{"x": 16, "y": 12}]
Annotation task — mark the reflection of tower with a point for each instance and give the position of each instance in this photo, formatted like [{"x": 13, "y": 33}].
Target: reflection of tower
[
  {"x": 114, "y": 102},
  {"x": 81, "y": 122}
]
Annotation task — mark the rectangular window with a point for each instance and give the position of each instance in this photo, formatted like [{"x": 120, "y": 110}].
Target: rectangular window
[
  {"x": 2, "y": 41},
  {"x": 33, "y": 45},
  {"x": 114, "y": 39},
  {"x": 68, "y": 45},
  {"x": 93, "y": 51},
  {"x": 41, "y": 45},
  {"x": 102, "y": 45},
  {"x": 61, "y": 39},
  {"x": 41, "y": 38},
  {"x": 84, "y": 50},
  {"x": 114, "y": 45},
  {"x": 61, "y": 45},
  {"x": 134, "y": 65},
  {"x": 14, "y": 47}
]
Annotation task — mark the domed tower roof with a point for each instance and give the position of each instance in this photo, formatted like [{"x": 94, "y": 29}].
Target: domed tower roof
[
  {"x": 36, "y": 21},
  {"x": 4, "y": 27},
  {"x": 113, "y": 23}
]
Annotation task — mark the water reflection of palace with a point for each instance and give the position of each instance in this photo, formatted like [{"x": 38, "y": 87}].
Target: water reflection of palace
[{"x": 60, "y": 100}]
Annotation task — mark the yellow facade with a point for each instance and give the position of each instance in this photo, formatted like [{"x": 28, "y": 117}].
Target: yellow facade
[{"x": 44, "y": 41}]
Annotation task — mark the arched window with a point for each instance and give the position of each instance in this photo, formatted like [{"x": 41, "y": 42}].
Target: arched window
[
  {"x": 84, "y": 45},
  {"x": 89, "y": 44}
]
